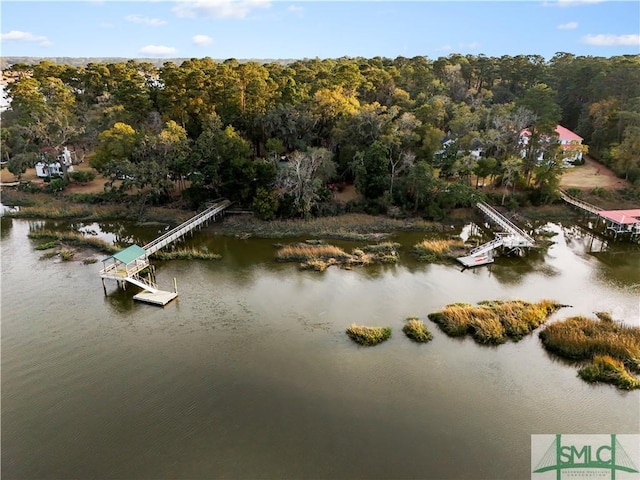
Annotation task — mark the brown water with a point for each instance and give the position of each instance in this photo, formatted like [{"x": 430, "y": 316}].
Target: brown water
[{"x": 249, "y": 373}]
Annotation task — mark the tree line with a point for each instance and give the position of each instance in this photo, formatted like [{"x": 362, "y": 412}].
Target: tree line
[{"x": 281, "y": 137}]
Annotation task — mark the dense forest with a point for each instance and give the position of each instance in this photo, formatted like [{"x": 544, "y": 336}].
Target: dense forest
[{"x": 279, "y": 137}]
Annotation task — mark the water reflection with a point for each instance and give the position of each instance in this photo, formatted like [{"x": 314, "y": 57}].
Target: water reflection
[{"x": 5, "y": 226}]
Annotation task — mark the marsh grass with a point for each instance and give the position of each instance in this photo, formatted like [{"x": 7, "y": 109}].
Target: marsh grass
[
  {"x": 89, "y": 261},
  {"x": 73, "y": 238},
  {"x": 66, "y": 254},
  {"x": 46, "y": 246},
  {"x": 611, "y": 349},
  {"x": 319, "y": 256},
  {"x": 606, "y": 369},
  {"x": 48, "y": 255},
  {"x": 352, "y": 227},
  {"x": 416, "y": 330},
  {"x": 302, "y": 252},
  {"x": 186, "y": 254},
  {"x": 431, "y": 250},
  {"x": 493, "y": 322},
  {"x": 582, "y": 338},
  {"x": 368, "y": 336}
]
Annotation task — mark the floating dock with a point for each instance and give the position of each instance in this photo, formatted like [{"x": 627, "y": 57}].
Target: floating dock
[{"x": 158, "y": 297}]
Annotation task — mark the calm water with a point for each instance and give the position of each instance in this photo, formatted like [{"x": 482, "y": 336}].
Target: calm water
[{"x": 249, "y": 373}]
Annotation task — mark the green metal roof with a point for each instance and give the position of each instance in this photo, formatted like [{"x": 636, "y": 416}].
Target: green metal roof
[{"x": 129, "y": 254}]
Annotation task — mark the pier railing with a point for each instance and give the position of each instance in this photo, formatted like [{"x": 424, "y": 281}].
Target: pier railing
[
  {"x": 508, "y": 226},
  {"x": 186, "y": 227},
  {"x": 579, "y": 203}
]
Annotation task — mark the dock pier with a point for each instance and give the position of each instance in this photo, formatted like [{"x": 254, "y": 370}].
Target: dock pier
[
  {"x": 510, "y": 237},
  {"x": 126, "y": 265},
  {"x": 618, "y": 223}
]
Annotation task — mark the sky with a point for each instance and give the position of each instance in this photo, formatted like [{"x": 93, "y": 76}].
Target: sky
[{"x": 279, "y": 29}]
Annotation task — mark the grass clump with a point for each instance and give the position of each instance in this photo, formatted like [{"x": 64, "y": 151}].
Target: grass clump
[
  {"x": 186, "y": 254},
  {"x": 368, "y": 336},
  {"x": 416, "y": 330},
  {"x": 582, "y": 338},
  {"x": 611, "y": 349},
  {"x": 73, "y": 238},
  {"x": 319, "y": 256},
  {"x": 607, "y": 369},
  {"x": 89, "y": 261},
  {"x": 67, "y": 254},
  {"x": 433, "y": 250},
  {"x": 494, "y": 322},
  {"x": 302, "y": 252},
  {"x": 46, "y": 246}
]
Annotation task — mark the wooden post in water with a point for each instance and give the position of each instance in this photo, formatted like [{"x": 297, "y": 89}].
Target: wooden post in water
[
  {"x": 175, "y": 285},
  {"x": 104, "y": 287}
]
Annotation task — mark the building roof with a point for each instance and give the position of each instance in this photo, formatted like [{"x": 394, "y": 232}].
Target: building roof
[
  {"x": 622, "y": 217},
  {"x": 563, "y": 133},
  {"x": 566, "y": 134},
  {"x": 129, "y": 254}
]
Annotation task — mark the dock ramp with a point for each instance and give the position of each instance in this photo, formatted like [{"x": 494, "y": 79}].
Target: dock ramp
[{"x": 510, "y": 237}]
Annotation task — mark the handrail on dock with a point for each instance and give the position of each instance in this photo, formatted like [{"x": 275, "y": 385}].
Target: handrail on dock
[
  {"x": 127, "y": 269},
  {"x": 579, "y": 203},
  {"x": 186, "y": 227},
  {"x": 504, "y": 222}
]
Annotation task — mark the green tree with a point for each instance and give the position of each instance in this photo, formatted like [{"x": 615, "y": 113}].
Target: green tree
[
  {"x": 371, "y": 167},
  {"x": 626, "y": 155},
  {"x": 114, "y": 145},
  {"x": 19, "y": 163}
]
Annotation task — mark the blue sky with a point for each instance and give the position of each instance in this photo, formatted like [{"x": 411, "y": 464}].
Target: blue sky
[{"x": 270, "y": 29}]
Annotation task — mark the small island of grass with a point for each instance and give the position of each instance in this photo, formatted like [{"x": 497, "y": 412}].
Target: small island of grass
[
  {"x": 611, "y": 349},
  {"x": 417, "y": 331},
  {"x": 368, "y": 336},
  {"x": 319, "y": 256},
  {"x": 434, "y": 250},
  {"x": 494, "y": 322}
]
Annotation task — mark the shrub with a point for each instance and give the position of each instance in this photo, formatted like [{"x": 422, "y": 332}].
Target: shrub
[{"x": 82, "y": 176}]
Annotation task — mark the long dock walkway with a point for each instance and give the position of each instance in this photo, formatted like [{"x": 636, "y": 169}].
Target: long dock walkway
[
  {"x": 510, "y": 236},
  {"x": 126, "y": 265},
  {"x": 623, "y": 223}
]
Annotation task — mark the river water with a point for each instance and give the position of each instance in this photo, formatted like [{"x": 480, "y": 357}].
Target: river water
[{"x": 249, "y": 373}]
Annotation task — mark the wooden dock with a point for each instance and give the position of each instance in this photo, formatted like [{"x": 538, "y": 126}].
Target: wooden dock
[
  {"x": 510, "y": 238},
  {"x": 126, "y": 266},
  {"x": 624, "y": 224}
]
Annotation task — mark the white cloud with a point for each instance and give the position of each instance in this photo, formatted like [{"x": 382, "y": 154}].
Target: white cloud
[
  {"x": 295, "y": 9},
  {"x": 202, "y": 40},
  {"x": 218, "y": 8},
  {"x": 19, "y": 36},
  {"x": 472, "y": 45},
  {"x": 158, "y": 50},
  {"x": 445, "y": 48},
  {"x": 153, "y": 22},
  {"x": 568, "y": 26},
  {"x": 612, "y": 40}
]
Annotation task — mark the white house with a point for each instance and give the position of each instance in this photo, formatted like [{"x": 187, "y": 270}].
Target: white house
[
  {"x": 44, "y": 169},
  {"x": 570, "y": 142}
]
